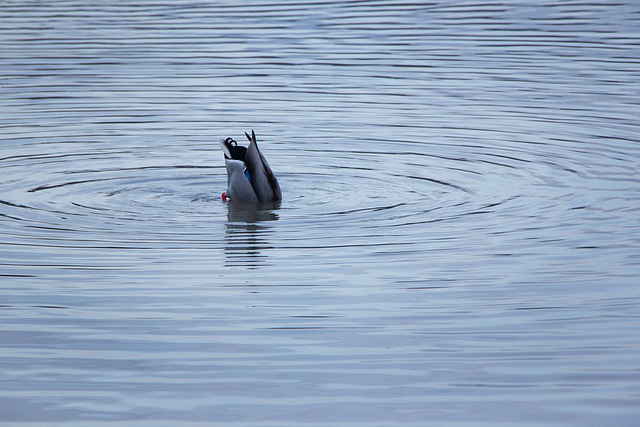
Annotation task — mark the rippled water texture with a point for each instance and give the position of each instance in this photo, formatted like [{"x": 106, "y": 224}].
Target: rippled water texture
[{"x": 458, "y": 244}]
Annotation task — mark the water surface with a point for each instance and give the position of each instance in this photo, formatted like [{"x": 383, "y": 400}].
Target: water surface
[{"x": 458, "y": 242}]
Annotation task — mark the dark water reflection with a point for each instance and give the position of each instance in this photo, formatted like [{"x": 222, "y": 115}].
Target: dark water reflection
[
  {"x": 246, "y": 237},
  {"x": 458, "y": 242}
]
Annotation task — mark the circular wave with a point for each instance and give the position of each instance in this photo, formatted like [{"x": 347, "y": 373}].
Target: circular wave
[
  {"x": 398, "y": 187},
  {"x": 378, "y": 196}
]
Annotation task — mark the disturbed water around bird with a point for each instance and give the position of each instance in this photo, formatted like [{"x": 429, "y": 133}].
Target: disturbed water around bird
[{"x": 458, "y": 243}]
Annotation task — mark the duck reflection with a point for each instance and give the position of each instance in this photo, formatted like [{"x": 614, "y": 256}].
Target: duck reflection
[{"x": 247, "y": 233}]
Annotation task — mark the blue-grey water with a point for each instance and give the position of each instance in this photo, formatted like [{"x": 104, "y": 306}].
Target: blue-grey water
[{"x": 458, "y": 244}]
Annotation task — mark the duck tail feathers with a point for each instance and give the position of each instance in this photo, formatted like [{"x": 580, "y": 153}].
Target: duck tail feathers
[
  {"x": 263, "y": 179},
  {"x": 225, "y": 149}
]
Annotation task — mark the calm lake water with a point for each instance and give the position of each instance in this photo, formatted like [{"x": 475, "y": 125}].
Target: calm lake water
[{"x": 458, "y": 244}]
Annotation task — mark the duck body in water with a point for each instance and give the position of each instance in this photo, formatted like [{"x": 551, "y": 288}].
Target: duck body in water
[{"x": 249, "y": 177}]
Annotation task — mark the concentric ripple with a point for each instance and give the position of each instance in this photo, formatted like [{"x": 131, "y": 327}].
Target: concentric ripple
[{"x": 343, "y": 193}]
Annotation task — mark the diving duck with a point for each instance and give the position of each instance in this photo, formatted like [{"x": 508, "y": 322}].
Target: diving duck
[{"x": 249, "y": 177}]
